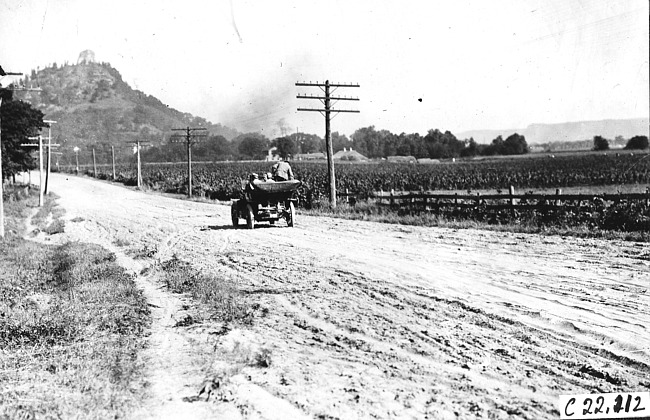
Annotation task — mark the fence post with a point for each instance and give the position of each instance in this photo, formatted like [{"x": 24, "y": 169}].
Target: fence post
[
  {"x": 478, "y": 199},
  {"x": 347, "y": 196},
  {"x": 558, "y": 192},
  {"x": 512, "y": 200},
  {"x": 392, "y": 197}
]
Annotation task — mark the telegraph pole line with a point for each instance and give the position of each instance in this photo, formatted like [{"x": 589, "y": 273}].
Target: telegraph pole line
[
  {"x": 189, "y": 138},
  {"x": 326, "y": 100}
]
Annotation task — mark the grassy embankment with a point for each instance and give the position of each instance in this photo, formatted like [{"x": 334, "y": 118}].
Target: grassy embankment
[{"x": 72, "y": 324}]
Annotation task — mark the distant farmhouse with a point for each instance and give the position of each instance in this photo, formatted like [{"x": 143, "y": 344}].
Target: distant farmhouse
[
  {"x": 270, "y": 155},
  {"x": 351, "y": 155},
  {"x": 344, "y": 155},
  {"x": 401, "y": 159},
  {"x": 309, "y": 156},
  {"x": 428, "y": 161}
]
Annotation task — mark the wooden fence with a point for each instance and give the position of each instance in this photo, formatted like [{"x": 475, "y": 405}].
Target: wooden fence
[{"x": 432, "y": 202}]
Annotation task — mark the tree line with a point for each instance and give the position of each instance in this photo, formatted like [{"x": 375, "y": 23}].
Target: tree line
[
  {"x": 372, "y": 143},
  {"x": 634, "y": 143}
]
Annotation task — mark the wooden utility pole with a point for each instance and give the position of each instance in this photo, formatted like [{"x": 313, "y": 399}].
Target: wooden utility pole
[
  {"x": 49, "y": 151},
  {"x": 76, "y": 157},
  {"x": 94, "y": 164},
  {"x": 113, "y": 158},
  {"x": 189, "y": 138},
  {"x": 40, "y": 165},
  {"x": 137, "y": 144},
  {"x": 326, "y": 101}
]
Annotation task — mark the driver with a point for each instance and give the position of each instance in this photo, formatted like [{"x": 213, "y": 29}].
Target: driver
[{"x": 282, "y": 171}]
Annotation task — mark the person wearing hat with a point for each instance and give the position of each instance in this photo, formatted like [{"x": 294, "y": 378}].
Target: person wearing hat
[{"x": 282, "y": 171}]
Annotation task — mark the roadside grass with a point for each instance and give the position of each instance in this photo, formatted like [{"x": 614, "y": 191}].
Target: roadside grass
[
  {"x": 370, "y": 211},
  {"x": 47, "y": 218},
  {"x": 19, "y": 201},
  {"x": 222, "y": 296},
  {"x": 72, "y": 325}
]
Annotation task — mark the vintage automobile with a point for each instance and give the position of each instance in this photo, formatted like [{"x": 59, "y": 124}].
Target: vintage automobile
[{"x": 265, "y": 201}]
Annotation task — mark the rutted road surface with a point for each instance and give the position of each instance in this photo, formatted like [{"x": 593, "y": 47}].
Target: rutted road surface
[{"x": 369, "y": 320}]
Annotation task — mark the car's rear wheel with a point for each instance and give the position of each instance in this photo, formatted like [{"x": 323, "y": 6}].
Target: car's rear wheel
[
  {"x": 234, "y": 214},
  {"x": 291, "y": 214},
  {"x": 250, "y": 217}
]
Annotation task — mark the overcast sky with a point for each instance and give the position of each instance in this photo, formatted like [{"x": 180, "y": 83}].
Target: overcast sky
[{"x": 453, "y": 65}]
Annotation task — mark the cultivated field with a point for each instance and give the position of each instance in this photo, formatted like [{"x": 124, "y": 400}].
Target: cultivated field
[
  {"x": 602, "y": 172},
  {"x": 357, "y": 319}
]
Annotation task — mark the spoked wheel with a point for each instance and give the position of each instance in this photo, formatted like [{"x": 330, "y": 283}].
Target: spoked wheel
[
  {"x": 291, "y": 214},
  {"x": 250, "y": 217},
  {"x": 234, "y": 214}
]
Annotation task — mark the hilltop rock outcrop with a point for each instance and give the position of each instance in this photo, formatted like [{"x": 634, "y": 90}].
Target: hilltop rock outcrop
[{"x": 86, "y": 57}]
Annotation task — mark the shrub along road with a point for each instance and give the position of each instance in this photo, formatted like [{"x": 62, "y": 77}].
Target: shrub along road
[{"x": 359, "y": 319}]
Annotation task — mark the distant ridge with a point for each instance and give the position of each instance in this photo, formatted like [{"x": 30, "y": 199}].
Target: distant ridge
[{"x": 568, "y": 131}]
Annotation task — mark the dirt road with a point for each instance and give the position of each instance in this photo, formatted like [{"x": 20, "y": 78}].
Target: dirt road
[{"x": 368, "y": 320}]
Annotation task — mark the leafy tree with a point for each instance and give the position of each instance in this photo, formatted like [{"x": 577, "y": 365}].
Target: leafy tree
[
  {"x": 471, "y": 148},
  {"x": 514, "y": 145},
  {"x": 253, "y": 146},
  {"x": 19, "y": 121},
  {"x": 372, "y": 143},
  {"x": 637, "y": 143},
  {"x": 366, "y": 141},
  {"x": 168, "y": 152},
  {"x": 442, "y": 145},
  {"x": 493, "y": 148},
  {"x": 285, "y": 147},
  {"x": 307, "y": 143},
  {"x": 600, "y": 143},
  {"x": 220, "y": 148},
  {"x": 405, "y": 145},
  {"x": 340, "y": 141},
  {"x": 213, "y": 149}
]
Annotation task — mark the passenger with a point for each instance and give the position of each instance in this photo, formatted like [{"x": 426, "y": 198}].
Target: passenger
[{"x": 282, "y": 171}]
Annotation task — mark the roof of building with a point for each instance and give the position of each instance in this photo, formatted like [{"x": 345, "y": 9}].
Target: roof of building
[
  {"x": 346, "y": 154},
  {"x": 309, "y": 156},
  {"x": 401, "y": 159}
]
